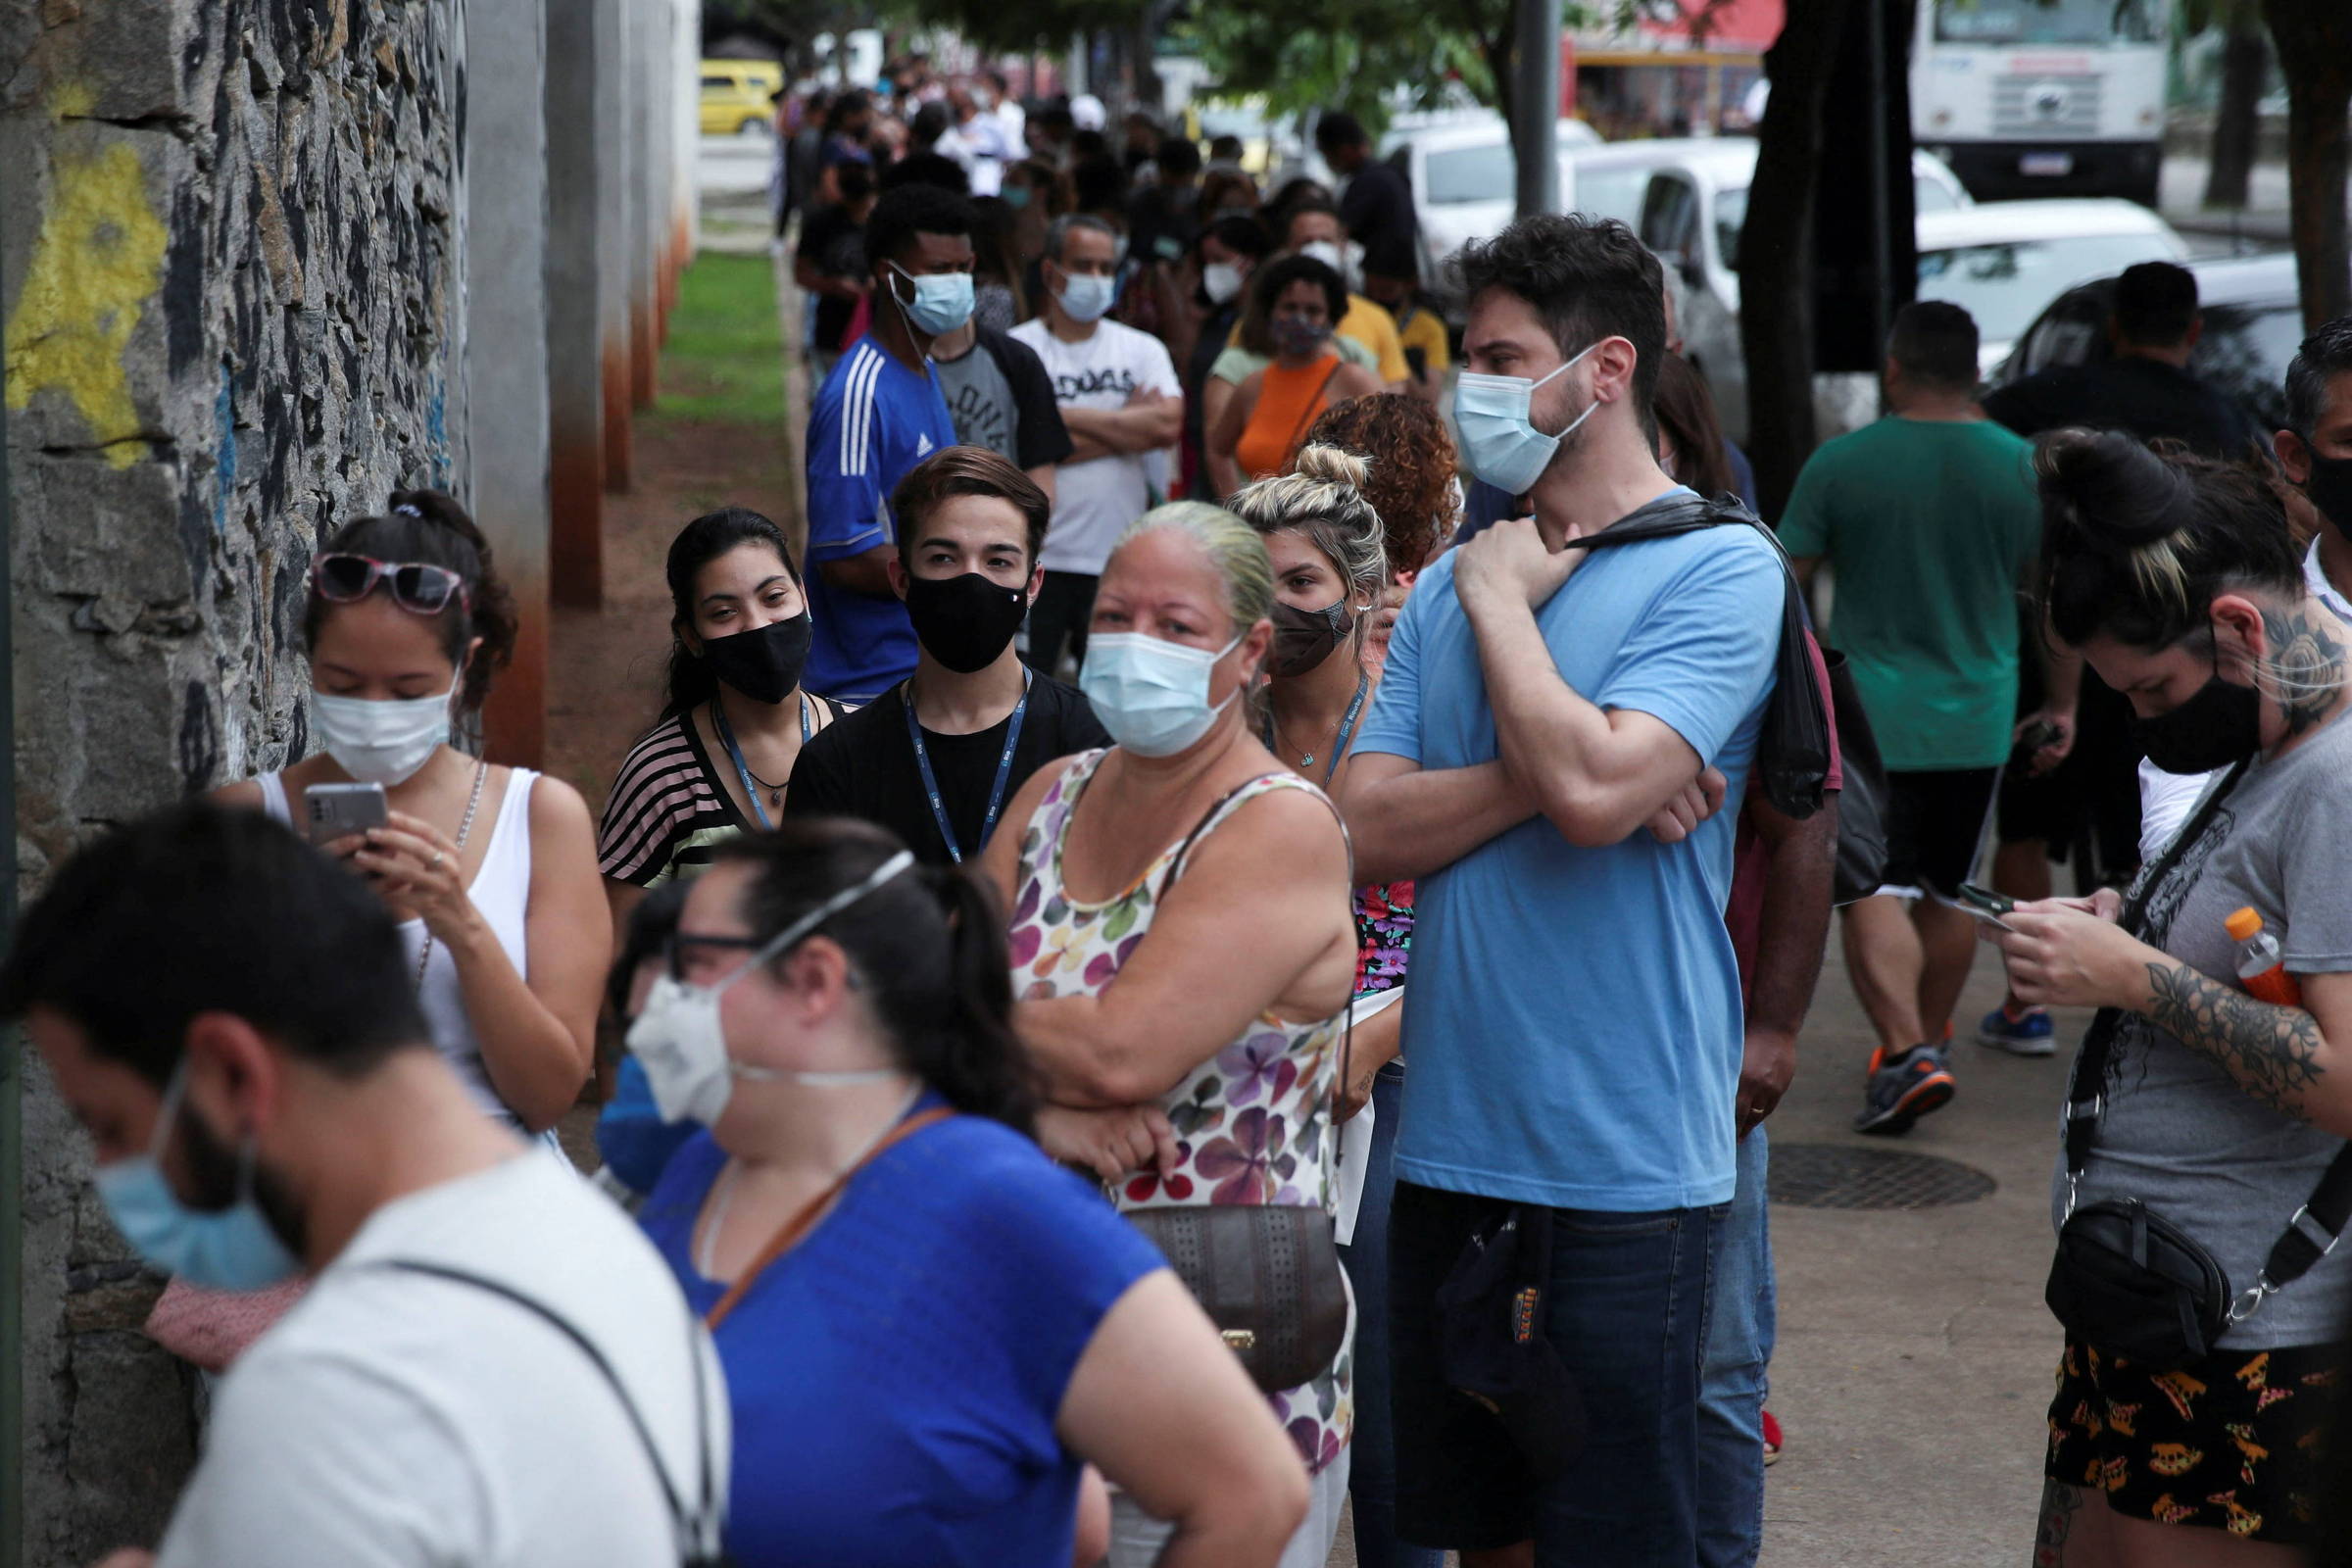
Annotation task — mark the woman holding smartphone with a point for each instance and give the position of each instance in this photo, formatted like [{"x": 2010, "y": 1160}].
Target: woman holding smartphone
[{"x": 491, "y": 871}]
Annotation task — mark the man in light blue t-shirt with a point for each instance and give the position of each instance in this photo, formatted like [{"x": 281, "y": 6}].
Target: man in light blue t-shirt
[{"x": 1573, "y": 1017}]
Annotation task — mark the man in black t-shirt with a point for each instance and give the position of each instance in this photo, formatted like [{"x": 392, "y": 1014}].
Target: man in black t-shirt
[
  {"x": 936, "y": 757},
  {"x": 830, "y": 264},
  {"x": 1377, "y": 205}
]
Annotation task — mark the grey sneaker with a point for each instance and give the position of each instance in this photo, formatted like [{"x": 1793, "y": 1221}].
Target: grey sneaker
[{"x": 1901, "y": 1090}]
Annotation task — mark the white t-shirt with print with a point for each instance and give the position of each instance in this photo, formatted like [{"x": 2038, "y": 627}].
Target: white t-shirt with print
[
  {"x": 1094, "y": 502},
  {"x": 395, "y": 1420}
]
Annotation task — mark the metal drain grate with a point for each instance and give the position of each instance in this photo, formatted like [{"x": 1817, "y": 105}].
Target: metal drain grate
[{"x": 1842, "y": 1176}]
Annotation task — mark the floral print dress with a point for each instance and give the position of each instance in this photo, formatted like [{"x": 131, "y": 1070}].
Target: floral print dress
[{"x": 1254, "y": 1122}]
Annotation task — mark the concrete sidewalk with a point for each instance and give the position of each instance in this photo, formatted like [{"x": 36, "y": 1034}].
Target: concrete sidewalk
[{"x": 1916, "y": 1358}]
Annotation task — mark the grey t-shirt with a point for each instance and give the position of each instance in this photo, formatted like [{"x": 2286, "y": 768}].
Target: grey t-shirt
[{"x": 2179, "y": 1133}]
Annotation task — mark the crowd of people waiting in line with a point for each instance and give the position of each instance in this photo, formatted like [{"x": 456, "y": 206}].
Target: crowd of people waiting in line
[{"x": 1015, "y": 1117}]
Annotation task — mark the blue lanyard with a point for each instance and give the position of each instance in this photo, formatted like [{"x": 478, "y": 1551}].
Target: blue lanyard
[
  {"x": 743, "y": 769},
  {"x": 1340, "y": 741},
  {"x": 995, "y": 796}
]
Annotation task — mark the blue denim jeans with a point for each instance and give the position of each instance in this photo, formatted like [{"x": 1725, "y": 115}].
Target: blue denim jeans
[
  {"x": 1372, "y": 1486},
  {"x": 1741, "y": 1326},
  {"x": 1626, "y": 1312}
]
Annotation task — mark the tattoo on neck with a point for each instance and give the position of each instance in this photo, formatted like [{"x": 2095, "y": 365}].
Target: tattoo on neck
[
  {"x": 2272, "y": 1052},
  {"x": 2305, "y": 670}
]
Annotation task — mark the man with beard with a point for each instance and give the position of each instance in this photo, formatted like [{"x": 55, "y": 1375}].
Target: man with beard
[{"x": 489, "y": 1353}]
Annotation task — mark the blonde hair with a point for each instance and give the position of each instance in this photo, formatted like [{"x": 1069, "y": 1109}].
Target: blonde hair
[
  {"x": 1323, "y": 497},
  {"x": 1237, "y": 553}
]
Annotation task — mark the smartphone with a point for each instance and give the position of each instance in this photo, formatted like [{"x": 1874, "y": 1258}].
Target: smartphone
[
  {"x": 1982, "y": 902},
  {"x": 339, "y": 810}
]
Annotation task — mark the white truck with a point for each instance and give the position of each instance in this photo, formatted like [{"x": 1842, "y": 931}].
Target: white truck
[{"x": 2042, "y": 97}]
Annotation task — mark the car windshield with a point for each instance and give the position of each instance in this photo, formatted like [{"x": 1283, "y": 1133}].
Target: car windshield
[
  {"x": 1485, "y": 173},
  {"x": 1928, "y": 195},
  {"x": 2245, "y": 349},
  {"x": 2004, "y": 285},
  {"x": 2044, "y": 22}
]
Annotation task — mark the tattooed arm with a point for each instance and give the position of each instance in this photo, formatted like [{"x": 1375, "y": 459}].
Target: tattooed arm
[{"x": 2279, "y": 1056}]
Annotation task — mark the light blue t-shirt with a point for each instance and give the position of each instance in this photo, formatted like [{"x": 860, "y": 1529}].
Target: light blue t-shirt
[
  {"x": 1573, "y": 1015},
  {"x": 873, "y": 420}
]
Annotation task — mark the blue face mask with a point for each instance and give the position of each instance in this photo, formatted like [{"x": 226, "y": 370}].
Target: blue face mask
[
  {"x": 943, "y": 300},
  {"x": 1015, "y": 197},
  {"x": 1151, "y": 694},
  {"x": 231, "y": 1248},
  {"x": 1088, "y": 296},
  {"x": 1498, "y": 441}
]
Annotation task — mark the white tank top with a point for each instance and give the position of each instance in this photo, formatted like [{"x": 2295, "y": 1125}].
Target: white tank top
[{"x": 501, "y": 892}]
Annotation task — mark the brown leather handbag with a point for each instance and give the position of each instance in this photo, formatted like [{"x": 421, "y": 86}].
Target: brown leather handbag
[{"x": 1267, "y": 1276}]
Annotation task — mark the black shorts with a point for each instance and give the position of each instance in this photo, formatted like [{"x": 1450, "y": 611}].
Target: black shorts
[
  {"x": 1935, "y": 823},
  {"x": 2228, "y": 1442}
]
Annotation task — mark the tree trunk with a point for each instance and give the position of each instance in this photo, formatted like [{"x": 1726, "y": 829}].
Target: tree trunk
[
  {"x": 2313, "y": 39},
  {"x": 2245, "y": 66},
  {"x": 1775, "y": 249}
]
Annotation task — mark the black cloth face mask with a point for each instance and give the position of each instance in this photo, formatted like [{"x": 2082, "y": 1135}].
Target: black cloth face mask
[
  {"x": 1304, "y": 638},
  {"x": 764, "y": 664},
  {"x": 2330, "y": 488},
  {"x": 2220, "y": 725},
  {"x": 965, "y": 622}
]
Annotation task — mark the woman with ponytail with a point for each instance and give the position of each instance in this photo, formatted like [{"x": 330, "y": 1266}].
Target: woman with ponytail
[
  {"x": 733, "y": 717},
  {"x": 492, "y": 870},
  {"x": 2208, "y": 1109},
  {"x": 928, "y": 1330}
]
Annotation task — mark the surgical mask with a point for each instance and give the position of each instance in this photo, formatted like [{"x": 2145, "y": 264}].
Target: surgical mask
[
  {"x": 381, "y": 740},
  {"x": 1295, "y": 335},
  {"x": 766, "y": 662},
  {"x": 943, "y": 300},
  {"x": 231, "y": 1248},
  {"x": 1086, "y": 296},
  {"x": 1499, "y": 442},
  {"x": 1015, "y": 197},
  {"x": 1152, "y": 694},
  {"x": 2220, "y": 725},
  {"x": 1304, "y": 638},
  {"x": 682, "y": 1045},
  {"x": 1324, "y": 251},
  {"x": 2330, "y": 488},
  {"x": 965, "y": 622},
  {"x": 1220, "y": 281}
]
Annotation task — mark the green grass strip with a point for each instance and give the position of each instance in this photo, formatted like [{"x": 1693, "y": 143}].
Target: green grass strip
[{"x": 725, "y": 356}]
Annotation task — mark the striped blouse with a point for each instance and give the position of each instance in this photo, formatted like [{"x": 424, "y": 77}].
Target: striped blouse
[{"x": 668, "y": 812}]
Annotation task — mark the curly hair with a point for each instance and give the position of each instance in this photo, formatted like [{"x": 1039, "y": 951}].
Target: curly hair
[{"x": 1412, "y": 460}]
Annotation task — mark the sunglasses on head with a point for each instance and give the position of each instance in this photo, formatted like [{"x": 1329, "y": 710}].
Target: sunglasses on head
[{"x": 426, "y": 590}]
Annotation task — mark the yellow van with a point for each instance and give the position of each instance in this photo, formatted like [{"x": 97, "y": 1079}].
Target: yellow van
[{"x": 739, "y": 97}]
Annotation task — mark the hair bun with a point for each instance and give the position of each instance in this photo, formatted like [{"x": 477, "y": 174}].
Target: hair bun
[
  {"x": 2110, "y": 492},
  {"x": 1331, "y": 466}
]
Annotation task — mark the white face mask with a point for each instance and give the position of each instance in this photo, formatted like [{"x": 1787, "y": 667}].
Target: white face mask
[
  {"x": 382, "y": 741},
  {"x": 683, "y": 1048},
  {"x": 1220, "y": 281},
  {"x": 1152, "y": 694},
  {"x": 1324, "y": 251}
]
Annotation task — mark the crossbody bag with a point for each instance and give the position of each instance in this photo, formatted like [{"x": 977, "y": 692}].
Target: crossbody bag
[
  {"x": 1267, "y": 1274},
  {"x": 2126, "y": 1281}
]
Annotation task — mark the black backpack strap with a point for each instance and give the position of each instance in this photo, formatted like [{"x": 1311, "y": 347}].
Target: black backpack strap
[{"x": 699, "y": 1532}]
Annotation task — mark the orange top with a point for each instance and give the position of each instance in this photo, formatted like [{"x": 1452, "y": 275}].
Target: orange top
[
  {"x": 1287, "y": 404},
  {"x": 2242, "y": 925}
]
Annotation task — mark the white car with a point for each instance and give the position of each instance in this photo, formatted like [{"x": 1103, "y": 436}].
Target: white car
[
  {"x": 1692, "y": 205},
  {"x": 1463, "y": 176},
  {"x": 2004, "y": 260}
]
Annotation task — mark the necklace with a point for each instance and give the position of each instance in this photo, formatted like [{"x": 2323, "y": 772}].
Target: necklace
[
  {"x": 1342, "y": 732},
  {"x": 473, "y": 801},
  {"x": 753, "y": 782}
]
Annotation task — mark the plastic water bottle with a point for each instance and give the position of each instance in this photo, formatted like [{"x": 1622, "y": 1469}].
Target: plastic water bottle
[{"x": 2260, "y": 967}]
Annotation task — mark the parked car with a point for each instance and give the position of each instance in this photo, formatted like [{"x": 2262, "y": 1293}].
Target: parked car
[
  {"x": 2004, "y": 261},
  {"x": 1464, "y": 179},
  {"x": 738, "y": 97},
  {"x": 2253, "y": 324},
  {"x": 1687, "y": 200}
]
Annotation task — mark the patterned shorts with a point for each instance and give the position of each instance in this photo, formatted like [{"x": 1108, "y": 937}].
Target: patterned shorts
[{"x": 2229, "y": 1442}]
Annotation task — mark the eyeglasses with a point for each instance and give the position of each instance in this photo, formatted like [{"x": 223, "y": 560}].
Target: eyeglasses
[
  {"x": 675, "y": 947},
  {"x": 416, "y": 587}
]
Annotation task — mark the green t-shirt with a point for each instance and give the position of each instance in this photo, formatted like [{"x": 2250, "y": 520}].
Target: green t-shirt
[{"x": 1931, "y": 527}]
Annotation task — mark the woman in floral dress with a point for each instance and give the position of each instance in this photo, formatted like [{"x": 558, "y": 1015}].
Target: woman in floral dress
[{"x": 1182, "y": 945}]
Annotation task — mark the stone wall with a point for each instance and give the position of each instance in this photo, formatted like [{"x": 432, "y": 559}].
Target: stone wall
[{"x": 232, "y": 271}]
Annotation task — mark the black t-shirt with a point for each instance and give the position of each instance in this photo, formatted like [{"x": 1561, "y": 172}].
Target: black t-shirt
[
  {"x": 864, "y": 767},
  {"x": 1378, "y": 211},
  {"x": 2141, "y": 396},
  {"x": 834, "y": 244}
]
